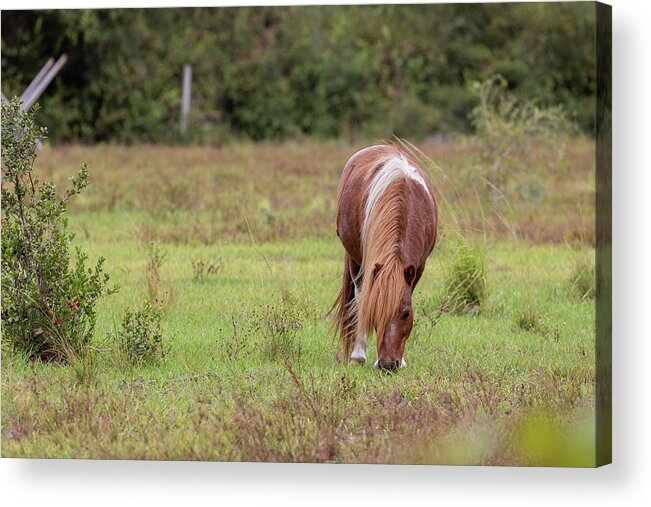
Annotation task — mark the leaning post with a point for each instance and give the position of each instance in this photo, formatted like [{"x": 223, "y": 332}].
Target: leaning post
[
  {"x": 37, "y": 79},
  {"x": 43, "y": 83},
  {"x": 185, "y": 97}
]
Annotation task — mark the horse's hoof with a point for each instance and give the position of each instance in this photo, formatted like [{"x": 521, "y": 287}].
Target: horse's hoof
[{"x": 358, "y": 360}]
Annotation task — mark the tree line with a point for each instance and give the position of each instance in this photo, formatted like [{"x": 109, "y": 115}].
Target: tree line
[{"x": 282, "y": 72}]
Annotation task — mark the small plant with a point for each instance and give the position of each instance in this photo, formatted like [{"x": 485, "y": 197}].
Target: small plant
[
  {"x": 155, "y": 260},
  {"x": 466, "y": 280},
  {"x": 203, "y": 269},
  {"x": 280, "y": 324},
  {"x": 140, "y": 338},
  {"x": 582, "y": 280},
  {"x": 529, "y": 320},
  {"x": 85, "y": 367},
  {"x": 48, "y": 295},
  {"x": 235, "y": 345}
]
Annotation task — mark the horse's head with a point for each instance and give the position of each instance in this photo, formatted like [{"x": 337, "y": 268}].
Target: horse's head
[{"x": 391, "y": 345}]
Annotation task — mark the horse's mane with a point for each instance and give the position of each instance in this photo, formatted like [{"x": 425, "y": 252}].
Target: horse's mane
[{"x": 385, "y": 221}]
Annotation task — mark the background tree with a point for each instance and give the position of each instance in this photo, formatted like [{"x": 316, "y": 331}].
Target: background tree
[{"x": 275, "y": 72}]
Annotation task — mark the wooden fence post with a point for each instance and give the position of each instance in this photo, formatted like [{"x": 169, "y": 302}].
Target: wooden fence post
[
  {"x": 185, "y": 97},
  {"x": 37, "y": 79},
  {"x": 43, "y": 83}
]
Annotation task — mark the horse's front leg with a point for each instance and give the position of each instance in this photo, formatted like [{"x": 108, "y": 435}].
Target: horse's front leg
[
  {"x": 361, "y": 339},
  {"x": 359, "y": 350}
]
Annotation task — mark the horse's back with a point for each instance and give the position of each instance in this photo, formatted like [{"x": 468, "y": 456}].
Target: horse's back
[
  {"x": 355, "y": 179},
  {"x": 358, "y": 164},
  {"x": 351, "y": 198}
]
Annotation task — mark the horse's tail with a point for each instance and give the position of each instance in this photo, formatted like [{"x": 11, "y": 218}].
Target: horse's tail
[{"x": 344, "y": 312}]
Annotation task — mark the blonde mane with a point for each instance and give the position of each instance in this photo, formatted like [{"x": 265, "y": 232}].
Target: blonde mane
[{"x": 382, "y": 270}]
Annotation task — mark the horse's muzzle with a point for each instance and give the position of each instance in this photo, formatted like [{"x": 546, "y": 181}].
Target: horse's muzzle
[{"x": 389, "y": 365}]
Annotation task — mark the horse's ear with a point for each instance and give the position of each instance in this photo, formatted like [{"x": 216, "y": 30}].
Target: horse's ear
[
  {"x": 376, "y": 269},
  {"x": 410, "y": 273}
]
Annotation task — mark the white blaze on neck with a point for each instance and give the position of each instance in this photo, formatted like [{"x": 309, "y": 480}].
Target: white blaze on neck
[{"x": 394, "y": 169}]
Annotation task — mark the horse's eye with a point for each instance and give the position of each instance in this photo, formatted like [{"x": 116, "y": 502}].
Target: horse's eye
[{"x": 405, "y": 315}]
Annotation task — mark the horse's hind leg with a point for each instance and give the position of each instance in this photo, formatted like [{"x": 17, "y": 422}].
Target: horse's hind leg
[{"x": 346, "y": 309}]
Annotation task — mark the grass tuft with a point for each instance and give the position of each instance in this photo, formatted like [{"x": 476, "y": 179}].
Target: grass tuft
[
  {"x": 530, "y": 320},
  {"x": 465, "y": 283},
  {"x": 203, "y": 269},
  {"x": 582, "y": 280}
]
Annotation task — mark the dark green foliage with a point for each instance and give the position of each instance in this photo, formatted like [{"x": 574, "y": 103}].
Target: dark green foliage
[
  {"x": 274, "y": 72},
  {"x": 48, "y": 295},
  {"x": 140, "y": 338}
]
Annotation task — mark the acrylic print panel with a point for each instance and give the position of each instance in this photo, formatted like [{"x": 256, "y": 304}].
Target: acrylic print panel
[{"x": 334, "y": 234}]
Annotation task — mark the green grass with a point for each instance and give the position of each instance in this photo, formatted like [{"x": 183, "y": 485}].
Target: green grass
[{"x": 478, "y": 388}]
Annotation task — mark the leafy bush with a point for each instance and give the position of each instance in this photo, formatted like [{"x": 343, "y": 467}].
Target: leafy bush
[
  {"x": 48, "y": 295},
  {"x": 140, "y": 338},
  {"x": 466, "y": 279}
]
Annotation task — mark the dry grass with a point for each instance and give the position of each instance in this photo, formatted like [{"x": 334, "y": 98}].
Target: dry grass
[
  {"x": 203, "y": 195},
  {"x": 308, "y": 419}
]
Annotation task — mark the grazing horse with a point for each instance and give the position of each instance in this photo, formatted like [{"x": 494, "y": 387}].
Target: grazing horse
[{"x": 387, "y": 221}]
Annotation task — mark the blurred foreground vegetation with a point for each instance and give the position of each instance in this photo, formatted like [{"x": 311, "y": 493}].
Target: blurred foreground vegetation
[{"x": 278, "y": 72}]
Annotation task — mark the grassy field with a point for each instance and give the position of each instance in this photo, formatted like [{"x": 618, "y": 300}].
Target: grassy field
[{"x": 510, "y": 385}]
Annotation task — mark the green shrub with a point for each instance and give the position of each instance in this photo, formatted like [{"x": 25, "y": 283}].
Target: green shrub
[
  {"x": 466, "y": 279},
  {"x": 48, "y": 294},
  {"x": 140, "y": 338}
]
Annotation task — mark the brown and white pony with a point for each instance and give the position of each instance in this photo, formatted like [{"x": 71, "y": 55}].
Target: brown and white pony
[{"x": 387, "y": 222}]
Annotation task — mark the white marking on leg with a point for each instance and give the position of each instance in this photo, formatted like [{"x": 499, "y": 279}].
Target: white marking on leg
[{"x": 359, "y": 350}]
